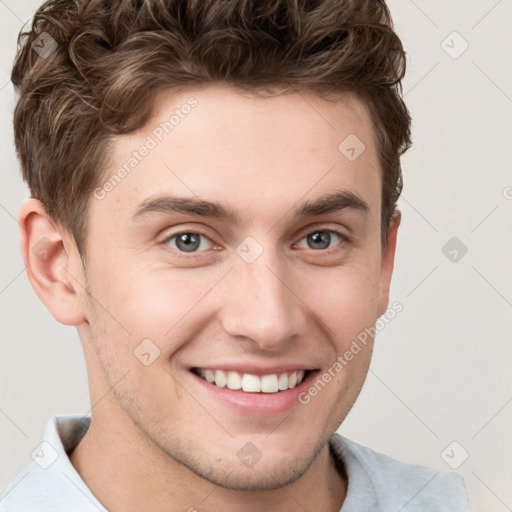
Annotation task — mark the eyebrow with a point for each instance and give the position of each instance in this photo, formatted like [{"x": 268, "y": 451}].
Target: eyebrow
[{"x": 329, "y": 203}]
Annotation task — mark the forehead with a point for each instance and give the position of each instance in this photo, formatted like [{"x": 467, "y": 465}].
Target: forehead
[{"x": 261, "y": 153}]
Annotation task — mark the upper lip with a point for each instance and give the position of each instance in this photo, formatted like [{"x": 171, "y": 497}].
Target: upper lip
[{"x": 255, "y": 369}]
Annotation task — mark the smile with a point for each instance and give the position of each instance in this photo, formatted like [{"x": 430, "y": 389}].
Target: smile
[{"x": 250, "y": 383}]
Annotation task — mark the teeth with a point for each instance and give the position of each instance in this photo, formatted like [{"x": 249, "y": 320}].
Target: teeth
[
  {"x": 220, "y": 379},
  {"x": 250, "y": 383},
  {"x": 269, "y": 384},
  {"x": 282, "y": 383},
  {"x": 234, "y": 380}
]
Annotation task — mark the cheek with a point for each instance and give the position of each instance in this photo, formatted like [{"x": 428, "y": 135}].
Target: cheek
[
  {"x": 159, "y": 305},
  {"x": 346, "y": 300}
]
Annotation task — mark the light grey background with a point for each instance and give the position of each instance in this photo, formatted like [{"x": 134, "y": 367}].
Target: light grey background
[{"x": 441, "y": 370}]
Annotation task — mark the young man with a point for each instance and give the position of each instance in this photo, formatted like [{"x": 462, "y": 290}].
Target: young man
[{"x": 214, "y": 189}]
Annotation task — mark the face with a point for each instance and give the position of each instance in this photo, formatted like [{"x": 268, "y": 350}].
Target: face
[{"x": 242, "y": 246}]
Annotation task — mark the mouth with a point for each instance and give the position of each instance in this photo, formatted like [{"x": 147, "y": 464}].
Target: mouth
[
  {"x": 253, "y": 391},
  {"x": 252, "y": 383}
]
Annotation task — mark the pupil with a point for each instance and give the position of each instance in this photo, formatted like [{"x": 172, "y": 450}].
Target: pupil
[
  {"x": 187, "y": 242},
  {"x": 322, "y": 239}
]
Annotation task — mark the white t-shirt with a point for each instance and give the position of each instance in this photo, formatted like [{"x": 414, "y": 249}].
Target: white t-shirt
[{"x": 376, "y": 482}]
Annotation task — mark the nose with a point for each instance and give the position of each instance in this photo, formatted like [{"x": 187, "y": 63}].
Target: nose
[{"x": 262, "y": 303}]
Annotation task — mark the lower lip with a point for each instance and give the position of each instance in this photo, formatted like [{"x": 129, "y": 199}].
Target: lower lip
[{"x": 257, "y": 404}]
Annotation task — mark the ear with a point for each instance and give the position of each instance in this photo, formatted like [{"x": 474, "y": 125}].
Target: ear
[
  {"x": 387, "y": 262},
  {"x": 52, "y": 262}
]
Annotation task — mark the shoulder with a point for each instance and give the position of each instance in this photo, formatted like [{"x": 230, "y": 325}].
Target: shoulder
[
  {"x": 389, "y": 483},
  {"x": 36, "y": 489},
  {"x": 50, "y": 482}
]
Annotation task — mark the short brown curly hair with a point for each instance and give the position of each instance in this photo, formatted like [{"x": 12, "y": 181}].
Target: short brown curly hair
[{"x": 113, "y": 55}]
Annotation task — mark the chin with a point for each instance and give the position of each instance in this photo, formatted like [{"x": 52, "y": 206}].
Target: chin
[
  {"x": 266, "y": 477},
  {"x": 261, "y": 473}
]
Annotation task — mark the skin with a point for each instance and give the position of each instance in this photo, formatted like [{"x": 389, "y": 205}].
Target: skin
[{"x": 157, "y": 441}]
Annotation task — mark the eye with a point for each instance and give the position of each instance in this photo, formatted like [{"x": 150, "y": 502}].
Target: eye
[
  {"x": 320, "y": 240},
  {"x": 187, "y": 242}
]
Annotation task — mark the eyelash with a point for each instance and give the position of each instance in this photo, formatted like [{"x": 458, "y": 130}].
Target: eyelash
[{"x": 342, "y": 241}]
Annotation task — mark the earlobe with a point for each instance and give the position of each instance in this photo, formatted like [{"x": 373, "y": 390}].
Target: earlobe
[
  {"x": 387, "y": 262},
  {"x": 51, "y": 263}
]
